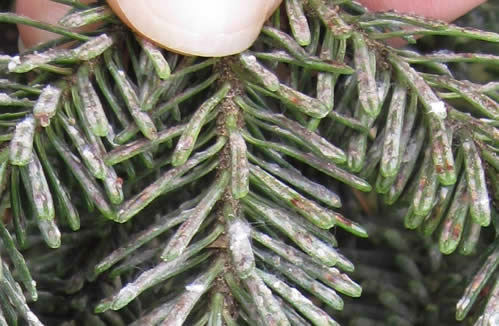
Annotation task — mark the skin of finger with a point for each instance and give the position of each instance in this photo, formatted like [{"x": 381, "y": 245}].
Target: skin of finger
[
  {"x": 447, "y": 10},
  {"x": 200, "y": 27},
  {"x": 42, "y": 10}
]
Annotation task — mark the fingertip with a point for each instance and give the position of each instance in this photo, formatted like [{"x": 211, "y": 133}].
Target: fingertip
[
  {"x": 44, "y": 11},
  {"x": 447, "y": 10},
  {"x": 40, "y": 10},
  {"x": 197, "y": 27}
]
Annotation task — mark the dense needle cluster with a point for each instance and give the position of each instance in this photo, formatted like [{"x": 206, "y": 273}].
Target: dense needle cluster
[{"x": 240, "y": 190}]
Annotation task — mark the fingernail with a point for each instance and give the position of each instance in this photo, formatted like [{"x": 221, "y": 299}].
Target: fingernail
[{"x": 197, "y": 27}]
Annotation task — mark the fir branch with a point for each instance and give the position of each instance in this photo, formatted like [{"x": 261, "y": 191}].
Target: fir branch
[{"x": 245, "y": 166}]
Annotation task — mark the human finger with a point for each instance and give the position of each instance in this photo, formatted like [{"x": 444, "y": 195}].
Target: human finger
[
  {"x": 198, "y": 27},
  {"x": 41, "y": 10},
  {"x": 447, "y": 10}
]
